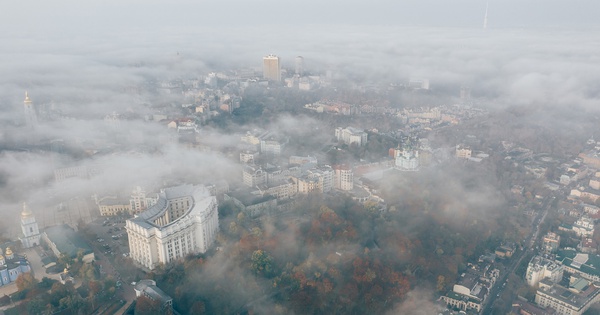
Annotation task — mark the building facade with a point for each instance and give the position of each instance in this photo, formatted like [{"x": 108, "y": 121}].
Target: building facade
[
  {"x": 343, "y": 178},
  {"x": 540, "y": 268},
  {"x": 272, "y": 68},
  {"x": 573, "y": 300},
  {"x": 351, "y": 135},
  {"x": 112, "y": 206},
  {"x": 407, "y": 159},
  {"x": 140, "y": 201},
  {"x": 299, "y": 65},
  {"x": 550, "y": 243},
  {"x": 149, "y": 289},
  {"x": 253, "y": 176},
  {"x": 11, "y": 266},
  {"x": 183, "y": 221},
  {"x": 584, "y": 226},
  {"x": 63, "y": 240},
  {"x": 463, "y": 152},
  {"x": 29, "y": 228}
]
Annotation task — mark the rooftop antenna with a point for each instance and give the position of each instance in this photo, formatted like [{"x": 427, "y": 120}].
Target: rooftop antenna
[{"x": 486, "y": 14}]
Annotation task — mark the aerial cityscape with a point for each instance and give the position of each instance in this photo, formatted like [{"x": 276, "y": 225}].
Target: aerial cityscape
[{"x": 233, "y": 157}]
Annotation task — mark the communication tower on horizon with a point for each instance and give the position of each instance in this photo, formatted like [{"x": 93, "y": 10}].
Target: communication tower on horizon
[{"x": 485, "y": 18}]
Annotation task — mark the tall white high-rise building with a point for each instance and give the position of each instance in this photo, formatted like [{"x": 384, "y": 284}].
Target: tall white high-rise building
[
  {"x": 184, "y": 220},
  {"x": 272, "y": 68},
  {"x": 299, "y": 65},
  {"x": 29, "y": 228}
]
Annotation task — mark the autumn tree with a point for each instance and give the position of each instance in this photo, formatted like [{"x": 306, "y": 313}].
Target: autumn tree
[
  {"x": 26, "y": 281},
  {"x": 88, "y": 272}
]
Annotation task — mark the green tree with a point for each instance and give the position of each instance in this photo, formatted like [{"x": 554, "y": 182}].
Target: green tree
[
  {"x": 46, "y": 283},
  {"x": 65, "y": 260},
  {"x": 35, "y": 306},
  {"x": 72, "y": 302},
  {"x": 58, "y": 292},
  {"x": 262, "y": 263}
]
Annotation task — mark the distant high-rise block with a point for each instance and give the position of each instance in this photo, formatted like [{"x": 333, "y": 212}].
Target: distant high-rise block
[
  {"x": 272, "y": 68},
  {"x": 299, "y": 65},
  {"x": 465, "y": 93}
]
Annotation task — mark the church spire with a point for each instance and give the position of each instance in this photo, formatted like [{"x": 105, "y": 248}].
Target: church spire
[{"x": 26, "y": 212}]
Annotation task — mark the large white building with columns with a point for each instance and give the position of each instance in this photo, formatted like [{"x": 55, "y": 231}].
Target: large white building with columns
[{"x": 184, "y": 220}]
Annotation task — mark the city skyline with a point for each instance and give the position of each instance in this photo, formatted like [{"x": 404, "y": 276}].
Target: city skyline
[{"x": 303, "y": 157}]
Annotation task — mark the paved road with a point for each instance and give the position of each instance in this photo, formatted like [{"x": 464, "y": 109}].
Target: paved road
[
  {"x": 118, "y": 247},
  {"x": 497, "y": 288}
]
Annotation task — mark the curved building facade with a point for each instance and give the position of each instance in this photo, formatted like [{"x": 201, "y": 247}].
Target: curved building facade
[{"x": 184, "y": 220}]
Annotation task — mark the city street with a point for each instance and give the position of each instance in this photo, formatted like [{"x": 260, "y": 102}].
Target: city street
[
  {"x": 107, "y": 250},
  {"x": 498, "y": 286}
]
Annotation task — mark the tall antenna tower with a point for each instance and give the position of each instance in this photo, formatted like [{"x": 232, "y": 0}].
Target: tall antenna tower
[{"x": 485, "y": 17}]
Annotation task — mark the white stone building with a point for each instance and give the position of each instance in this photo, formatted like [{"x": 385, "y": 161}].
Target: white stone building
[
  {"x": 540, "y": 268},
  {"x": 575, "y": 299},
  {"x": 584, "y": 226},
  {"x": 351, "y": 135},
  {"x": 253, "y": 176},
  {"x": 407, "y": 160},
  {"x": 29, "y": 228},
  {"x": 140, "y": 201},
  {"x": 463, "y": 152},
  {"x": 183, "y": 221}
]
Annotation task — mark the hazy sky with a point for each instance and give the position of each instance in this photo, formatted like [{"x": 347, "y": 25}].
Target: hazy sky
[
  {"x": 62, "y": 45},
  {"x": 61, "y": 17}
]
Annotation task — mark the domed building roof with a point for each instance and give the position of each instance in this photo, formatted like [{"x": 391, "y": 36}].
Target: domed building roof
[
  {"x": 9, "y": 252},
  {"x": 26, "y": 211}
]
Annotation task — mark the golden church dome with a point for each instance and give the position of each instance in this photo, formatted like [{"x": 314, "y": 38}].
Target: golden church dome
[{"x": 26, "y": 212}]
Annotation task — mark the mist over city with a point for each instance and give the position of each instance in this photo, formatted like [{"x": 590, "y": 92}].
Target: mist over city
[{"x": 265, "y": 157}]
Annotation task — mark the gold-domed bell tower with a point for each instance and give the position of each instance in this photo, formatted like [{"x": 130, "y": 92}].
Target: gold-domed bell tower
[
  {"x": 29, "y": 227},
  {"x": 30, "y": 113}
]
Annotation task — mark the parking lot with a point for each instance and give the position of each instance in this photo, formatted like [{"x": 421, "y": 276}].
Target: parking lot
[{"x": 110, "y": 236}]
